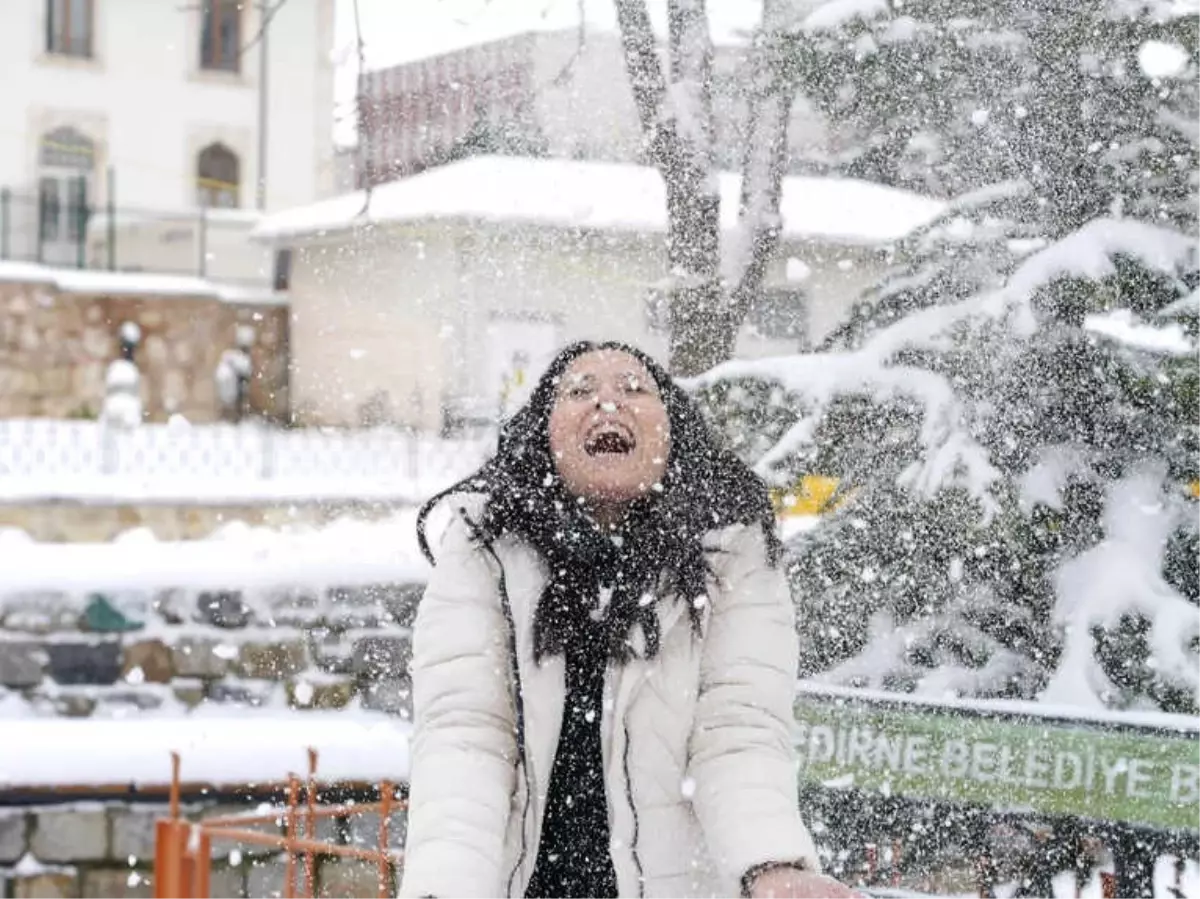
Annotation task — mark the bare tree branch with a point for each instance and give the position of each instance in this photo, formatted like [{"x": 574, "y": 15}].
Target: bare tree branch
[
  {"x": 750, "y": 248},
  {"x": 268, "y": 13},
  {"x": 643, "y": 67},
  {"x": 564, "y": 74},
  {"x": 361, "y": 101}
]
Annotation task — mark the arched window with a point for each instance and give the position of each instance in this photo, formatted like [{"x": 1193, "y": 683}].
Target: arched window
[
  {"x": 67, "y": 148},
  {"x": 66, "y": 163},
  {"x": 217, "y": 177}
]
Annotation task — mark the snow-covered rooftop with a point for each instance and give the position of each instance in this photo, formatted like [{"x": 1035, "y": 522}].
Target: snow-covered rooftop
[
  {"x": 600, "y": 196},
  {"x": 94, "y": 281}
]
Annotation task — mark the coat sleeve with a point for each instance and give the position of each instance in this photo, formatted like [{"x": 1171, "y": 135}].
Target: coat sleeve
[
  {"x": 463, "y": 749},
  {"x": 743, "y": 762}
]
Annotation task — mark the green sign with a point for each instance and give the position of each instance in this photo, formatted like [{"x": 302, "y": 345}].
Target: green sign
[{"x": 1107, "y": 770}]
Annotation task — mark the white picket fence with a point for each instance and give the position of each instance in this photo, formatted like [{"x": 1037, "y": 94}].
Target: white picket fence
[{"x": 48, "y": 459}]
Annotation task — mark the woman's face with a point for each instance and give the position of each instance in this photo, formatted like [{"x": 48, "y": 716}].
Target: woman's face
[{"x": 609, "y": 431}]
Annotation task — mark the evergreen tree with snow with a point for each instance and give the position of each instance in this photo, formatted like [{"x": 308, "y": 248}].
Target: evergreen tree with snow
[{"x": 1014, "y": 409}]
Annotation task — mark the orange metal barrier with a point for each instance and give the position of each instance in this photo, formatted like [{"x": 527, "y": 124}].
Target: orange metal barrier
[{"x": 183, "y": 848}]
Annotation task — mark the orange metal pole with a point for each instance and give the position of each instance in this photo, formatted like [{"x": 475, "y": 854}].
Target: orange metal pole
[
  {"x": 257, "y": 838},
  {"x": 333, "y": 811},
  {"x": 310, "y": 828},
  {"x": 174, "y": 799},
  {"x": 202, "y": 859},
  {"x": 289, "y": 885},
  {"x": 385, "y": 813},
  {"x": 169, "y": 845}
]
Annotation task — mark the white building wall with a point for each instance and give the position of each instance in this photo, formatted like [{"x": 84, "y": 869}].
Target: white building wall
[
  {"x": 145, "y": 102},
  {"x": 407, "y": 310}
]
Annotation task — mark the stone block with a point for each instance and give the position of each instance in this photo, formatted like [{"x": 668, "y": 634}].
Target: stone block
[
  {"x": 65, "y": 704},
  {"x": 14, "y": 835},
  {"x": 272, "y": 661},
  {"x": 47, "y": 885},
  {"x": 124, "y": 700},
  {"x": 133, "y": 831},
  {"x": 331, "y": 694},
  {"x": 148, "y": 662},
  {"x": 383, "y": 656},
  {"x": 253, "y": 695},
  {"x": 116, "y": 883},
  {"x": 223, "y": 608},
  {"x": 393, "y": 695},
  {"x": 331, "y": 653},
  {"x": 42, "y": 612},
  {"x": 189, "y": 692},
  {"x": 201, "y": 657},
  {"x": 70, "y": 834},
  {"x": 84, "y": 663},
  {"x": 401, "y": 602},
  {"x": 21, "y": 664}
]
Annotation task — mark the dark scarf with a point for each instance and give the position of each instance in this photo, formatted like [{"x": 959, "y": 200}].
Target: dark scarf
[{"x": 611, "y": 578}]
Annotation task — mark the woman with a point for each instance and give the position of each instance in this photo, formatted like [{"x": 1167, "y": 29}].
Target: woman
[{"x": 604, "y": 659}]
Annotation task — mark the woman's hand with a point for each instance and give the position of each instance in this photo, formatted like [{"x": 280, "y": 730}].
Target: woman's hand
[{"x": 786, "y": 882}]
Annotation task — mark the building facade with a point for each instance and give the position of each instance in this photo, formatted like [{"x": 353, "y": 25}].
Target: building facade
[
  {"x": 147, "y": 106},
  {"x": 554, "y": 93},
  {"x": 441, "y": 303}
]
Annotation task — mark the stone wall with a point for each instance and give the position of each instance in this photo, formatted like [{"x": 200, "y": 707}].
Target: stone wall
[
  {"x": 302, "y": 650},
  {"x": 55, "y": 348},
  {"x": 107, "y": 849},
  {"x": 82, "y": 656}
]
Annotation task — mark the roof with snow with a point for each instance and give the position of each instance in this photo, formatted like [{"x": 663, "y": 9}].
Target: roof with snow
[
  {"x": 98, "y": 281},
  {"x": 601, "y": 197}
]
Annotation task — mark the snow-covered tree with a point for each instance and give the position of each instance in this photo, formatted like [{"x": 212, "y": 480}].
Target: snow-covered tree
[
  {"x": 1034, "y": 118},
  {"x": 1014, "y": 410},
  {"x": 998, "y": 454}
]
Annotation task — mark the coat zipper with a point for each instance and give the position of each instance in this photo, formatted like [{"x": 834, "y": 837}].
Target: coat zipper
[{"x": 633, "y": 847}]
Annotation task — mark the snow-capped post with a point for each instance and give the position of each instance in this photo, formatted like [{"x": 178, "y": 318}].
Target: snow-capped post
[
  {"x": 122, "y": 406},
  {"x": 233, "y": 375},
  {"x": 122, "y": 382},
  {"x": 709, "y": 295}
]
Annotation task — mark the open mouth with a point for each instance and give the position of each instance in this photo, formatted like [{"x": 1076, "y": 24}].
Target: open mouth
[{"x": 609, "y": 439}]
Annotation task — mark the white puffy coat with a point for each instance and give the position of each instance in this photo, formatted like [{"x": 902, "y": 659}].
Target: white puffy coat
[{"x": 700, "y": 773}]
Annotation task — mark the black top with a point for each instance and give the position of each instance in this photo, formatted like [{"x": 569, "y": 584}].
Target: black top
[{"x": 573, "y": 857}]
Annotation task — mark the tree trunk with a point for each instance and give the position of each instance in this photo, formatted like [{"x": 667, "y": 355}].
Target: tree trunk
[{"x": 710, "y": 295}]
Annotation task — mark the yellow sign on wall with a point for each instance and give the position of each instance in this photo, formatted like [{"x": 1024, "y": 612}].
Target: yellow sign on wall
[{"x": 812, "y": 494}]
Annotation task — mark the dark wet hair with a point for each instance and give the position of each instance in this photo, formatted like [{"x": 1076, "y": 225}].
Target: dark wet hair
[{"x": 660, "y": 553}]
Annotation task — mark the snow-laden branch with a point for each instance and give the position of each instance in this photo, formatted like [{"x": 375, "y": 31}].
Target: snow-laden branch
[
  {"x": 950, "y": 456},
  {"x": 1123, "y": 575},
  {"x": 1087, "y": 253},
  {"x": 886, "y": 656},
  {"x": 836, "y": 14}
]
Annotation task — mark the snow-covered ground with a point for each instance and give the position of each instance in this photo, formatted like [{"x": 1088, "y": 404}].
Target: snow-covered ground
[
  {"x": 346, "y": 552},
  {"x": 227, "y": 747}
]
